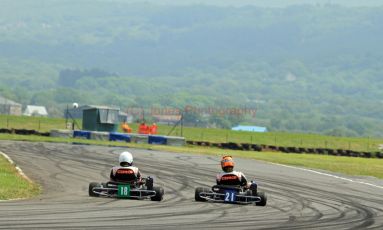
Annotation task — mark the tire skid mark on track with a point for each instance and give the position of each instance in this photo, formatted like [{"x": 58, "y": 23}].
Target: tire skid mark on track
[
  {"x": 65, "y": 171},
  {"x": 361, "y": 214}
]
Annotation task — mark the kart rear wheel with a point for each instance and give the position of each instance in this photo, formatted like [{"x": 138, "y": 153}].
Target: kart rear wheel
[
  {"x": 159, "y": 194},
  {"x": 263, "y": 197},
  {"x": 197, "y": 194},
  {"x": 91, "y": 186}
]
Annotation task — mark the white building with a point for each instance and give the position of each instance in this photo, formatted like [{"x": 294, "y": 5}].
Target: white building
[
  {"x": 9, "y": 107},
  {"x": 36, "y": 111}
]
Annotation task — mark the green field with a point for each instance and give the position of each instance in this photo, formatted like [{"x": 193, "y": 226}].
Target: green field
[
  {"x": 216, "y": 135},
  {"x": 40, "y": 124},
  {"x": 12, "y": 185}
]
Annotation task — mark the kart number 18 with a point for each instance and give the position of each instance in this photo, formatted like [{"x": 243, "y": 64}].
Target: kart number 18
[
  {"x": 123, "y": 191},
  {"x": 229, "y": 196}
]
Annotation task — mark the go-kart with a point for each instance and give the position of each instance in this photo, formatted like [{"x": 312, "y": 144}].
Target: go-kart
[
  {"x": 134, "y": 189},
  {"x": 231, "y": 194}
]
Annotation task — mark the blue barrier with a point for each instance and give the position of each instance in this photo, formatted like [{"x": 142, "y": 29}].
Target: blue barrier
[
  {"x": 158, "y": 140},
  {"x": 114, "y": 136},
  {"x": 119, "y": 137},
  {"x": 81, "y": 134}
]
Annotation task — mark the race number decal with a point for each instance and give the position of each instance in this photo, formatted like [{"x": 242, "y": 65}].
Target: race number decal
[
  {"x": 230, "y": 196},
  {"x": 123, "y": 191}
]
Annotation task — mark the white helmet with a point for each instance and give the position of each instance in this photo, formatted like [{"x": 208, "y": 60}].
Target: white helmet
[{"x": 126, "y": 159}]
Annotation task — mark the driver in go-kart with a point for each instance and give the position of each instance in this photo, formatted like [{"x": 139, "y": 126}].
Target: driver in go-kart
[
  {"x": 126, "y": 172},
  {"x": 231, "y": 177}
]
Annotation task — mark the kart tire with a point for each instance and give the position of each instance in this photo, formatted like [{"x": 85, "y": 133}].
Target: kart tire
[
  {"x": 197, "y": 194},
  {"x": 91, "y": 186},
  {"x": 263, "y": 197},
  {"x": 247, "y": 193},
  {"x": 159, "y": 194}
]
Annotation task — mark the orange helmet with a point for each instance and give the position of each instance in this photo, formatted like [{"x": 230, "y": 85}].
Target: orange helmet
[{"x": 227, "y": 161}]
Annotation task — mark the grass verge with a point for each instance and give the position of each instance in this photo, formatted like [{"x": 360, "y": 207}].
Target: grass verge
[
  {"x": 14, "y": 186},
  {"x": 347, "y": 165}
]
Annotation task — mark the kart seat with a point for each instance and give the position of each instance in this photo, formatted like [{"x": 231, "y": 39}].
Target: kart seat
[{"x": 218, "y": 188}]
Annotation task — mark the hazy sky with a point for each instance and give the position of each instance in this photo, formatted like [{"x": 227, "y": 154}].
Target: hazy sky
[{"x": 268, "y": 3}]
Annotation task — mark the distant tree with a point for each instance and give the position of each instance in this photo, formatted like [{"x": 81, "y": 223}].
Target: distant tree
[{"x": 69, "y": 77}]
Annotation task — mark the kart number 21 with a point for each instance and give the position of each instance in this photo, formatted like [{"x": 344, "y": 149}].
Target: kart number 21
[{"x": 229, "y": 196}]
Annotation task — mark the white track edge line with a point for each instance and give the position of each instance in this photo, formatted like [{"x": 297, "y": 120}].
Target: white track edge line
[
  {"x": 21, "y": 173},
  {"x": 330, "y": 175}
]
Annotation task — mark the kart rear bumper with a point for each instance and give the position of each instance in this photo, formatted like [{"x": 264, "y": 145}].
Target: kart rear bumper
[{"x": 239, "y": 199}]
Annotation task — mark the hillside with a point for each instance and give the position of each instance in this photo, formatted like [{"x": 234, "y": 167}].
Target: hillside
[{"x": 306, "y": 68}]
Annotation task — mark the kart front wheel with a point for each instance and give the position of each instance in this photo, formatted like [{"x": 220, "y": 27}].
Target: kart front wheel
[
  {"x": 91, "y": 186},
  {"x": 159, "y": 194},
  {"x": 263, "y": 197},
  {"x": 197, "y": 195}
]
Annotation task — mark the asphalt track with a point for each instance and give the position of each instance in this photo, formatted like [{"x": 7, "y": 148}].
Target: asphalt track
[{"x": 297, "y": 199}]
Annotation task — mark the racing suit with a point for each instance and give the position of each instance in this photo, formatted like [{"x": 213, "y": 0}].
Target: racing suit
[
  {"x": 125, "y": 174},
  {"x": 231, "y": 178},
  {"x": 236, "y": 178}
]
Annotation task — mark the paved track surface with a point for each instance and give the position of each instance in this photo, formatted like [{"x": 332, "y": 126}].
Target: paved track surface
[{"x": 297, "y": 199}]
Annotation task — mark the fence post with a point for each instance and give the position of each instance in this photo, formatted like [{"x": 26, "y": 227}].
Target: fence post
[
  {"x": 7, "y": 122},
  {"x": 39, "y": 125}
]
